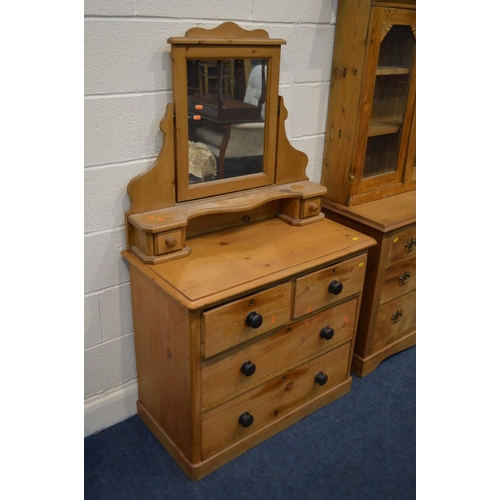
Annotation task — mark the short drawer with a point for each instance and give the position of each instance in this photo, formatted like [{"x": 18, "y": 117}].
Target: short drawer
[
  {"x": 244, "y": 319},
  {"x": 242, "y": 416},
  {"x": 395, "y": 319},
  {"x": 402, "y": 245},
  {"x": 329, "y": 285},
  {"x": 399, "y": 278},
  {"x": 275, "y": 353}
]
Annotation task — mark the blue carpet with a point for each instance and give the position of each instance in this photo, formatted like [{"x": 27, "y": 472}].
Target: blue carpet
[{"x": 362, "y": 446}]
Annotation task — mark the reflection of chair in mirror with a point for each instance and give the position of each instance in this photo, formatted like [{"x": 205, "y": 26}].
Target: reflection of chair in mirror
[
  {"x": 239, "y": 140},
  {"x": 216, "y": 71}
]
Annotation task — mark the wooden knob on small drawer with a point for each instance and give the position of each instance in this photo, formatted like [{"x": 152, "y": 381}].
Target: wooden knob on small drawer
[
  {"x": 335, "y": 287},
  {"x": 254, "y": 320},
  {"x": 321, "y": 378},
  {"x": 171, "y": 242},
  {"x": 246, "y": 420},
  {"x": 313, "y": 207},
  {"x": 248, "y": 368}
]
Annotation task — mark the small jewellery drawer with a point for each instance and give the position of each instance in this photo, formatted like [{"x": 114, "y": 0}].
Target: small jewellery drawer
[
  {"x": 242, "y": 416},
  {"x": 395, "y": 319},
  {"x": 329, "y": 285},
  {"x": 241, "y": 320},
  {"x": 402, "y": 245},
  {"x": 273, "y": 354},
  {"x": 399, "y": 278}
]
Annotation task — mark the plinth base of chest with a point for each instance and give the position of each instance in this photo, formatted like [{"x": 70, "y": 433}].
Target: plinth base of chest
[{"x": 363, "y": 366}]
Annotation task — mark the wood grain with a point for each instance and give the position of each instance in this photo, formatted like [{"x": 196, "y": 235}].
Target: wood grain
[
  {"x": 311, "y": 291},
  {"x": 274, "y": 353},
  {"x": 271, "y": 400},
  {"x": 225, "y": 326}
]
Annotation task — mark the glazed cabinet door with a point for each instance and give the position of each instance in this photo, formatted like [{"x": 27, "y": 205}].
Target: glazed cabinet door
[{"x": 387, "y": 102}]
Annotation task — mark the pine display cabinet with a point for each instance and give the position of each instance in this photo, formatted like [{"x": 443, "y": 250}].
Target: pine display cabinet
[{"x": 369, "y": 164}]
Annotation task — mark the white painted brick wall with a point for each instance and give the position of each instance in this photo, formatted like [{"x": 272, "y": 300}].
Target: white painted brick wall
[{"x": 127, "y": 86}]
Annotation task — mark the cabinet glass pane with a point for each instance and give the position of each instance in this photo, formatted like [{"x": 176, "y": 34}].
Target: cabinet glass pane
[{"x": 390, "y": 96}]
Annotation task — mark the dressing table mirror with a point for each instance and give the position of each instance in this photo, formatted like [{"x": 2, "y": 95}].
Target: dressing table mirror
[
  {"x": 245, "y": 297},
  {"x": 225, "y": 158}
]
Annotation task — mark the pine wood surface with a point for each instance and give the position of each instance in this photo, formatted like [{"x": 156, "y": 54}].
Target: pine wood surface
[
  {"x": 386, "y": 329},
  {"x": 392, "y": 223},
  {"x": 283, "y": 349},
  {"x": 269, "y": 401},
  {"x": 159, "y": 220},
  {"x": 226, "y": 33},
  {"x": 165, "y": 380},
  {"x": 383, "y": 215},
  {"x": 311, "y": 291},
  {"x": 224, "y": 264},
  {"x": 197, "y": 471},
  {"x": 356, "y": 112},
  {"x": 393, "y": 284},
  {"x": 274, "y": 305}
]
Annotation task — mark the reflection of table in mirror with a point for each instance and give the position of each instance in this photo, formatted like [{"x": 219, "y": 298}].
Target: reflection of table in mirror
[{"x": 229, "y": 128}]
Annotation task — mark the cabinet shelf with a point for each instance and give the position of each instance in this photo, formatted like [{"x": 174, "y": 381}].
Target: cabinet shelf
[
  {"x": 392, "y": 70},
  {"x": 385, "y": 127}
]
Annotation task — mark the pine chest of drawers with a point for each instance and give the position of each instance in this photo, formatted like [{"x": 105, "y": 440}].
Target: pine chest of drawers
[
  {"x": 251, "y": 332},
  {"x": 387, "y": 322}
]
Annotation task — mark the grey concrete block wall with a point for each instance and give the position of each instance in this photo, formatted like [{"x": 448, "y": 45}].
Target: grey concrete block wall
[{"x": 127, "y": 84}]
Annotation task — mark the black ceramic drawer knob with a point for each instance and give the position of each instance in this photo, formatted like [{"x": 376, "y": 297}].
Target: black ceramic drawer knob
[
  {"x": 246, "y": 420},
  {"x": 326, "y": 333},
  {"x": 254, "y": 320},
  {"x": 335, "y": 287},
  {"x": 321, "y": 378},
  {"x": 247, "y": 368}
]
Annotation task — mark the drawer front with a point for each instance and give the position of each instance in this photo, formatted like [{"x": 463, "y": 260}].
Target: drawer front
[
  {"x": 395, "y": 319},
  {"x": 399, "y": 278},
  {"x": 277, "y": 352},
  {"x": 221, "y": 426},
  {"x": 329, "y": 285},
  {"x": 402, "y": 245},
  {"x": 226, "y": 326}
]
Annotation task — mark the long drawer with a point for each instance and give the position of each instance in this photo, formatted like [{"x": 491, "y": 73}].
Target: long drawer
[
  {"x": 399, "y": 278},
  {"x": 402, "y": 245},
  {"x": 262, "y": 359},
  {"x": 329, "y": 285},
  {"x": 395, "y": 319},
  {"x": 243, "y": 415},
  {"x": 241, "y": 320}
]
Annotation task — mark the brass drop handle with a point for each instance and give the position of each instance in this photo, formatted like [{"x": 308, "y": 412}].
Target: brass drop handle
[
  {"x": 397, "y": 315},
  {"x": 411, "y": 244},
  {"x": 405, "y": 277}
]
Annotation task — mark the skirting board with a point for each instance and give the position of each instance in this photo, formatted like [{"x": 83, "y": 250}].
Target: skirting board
[{"x": 111, "y": 408}]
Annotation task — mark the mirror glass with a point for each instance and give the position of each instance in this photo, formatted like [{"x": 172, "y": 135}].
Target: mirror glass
[{"x": 226, "y": 101}]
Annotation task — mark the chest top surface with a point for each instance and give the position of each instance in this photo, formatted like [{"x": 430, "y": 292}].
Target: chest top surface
[
  {"x": 384, "y": 215},
  {"x": 234, "y": 261}
]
